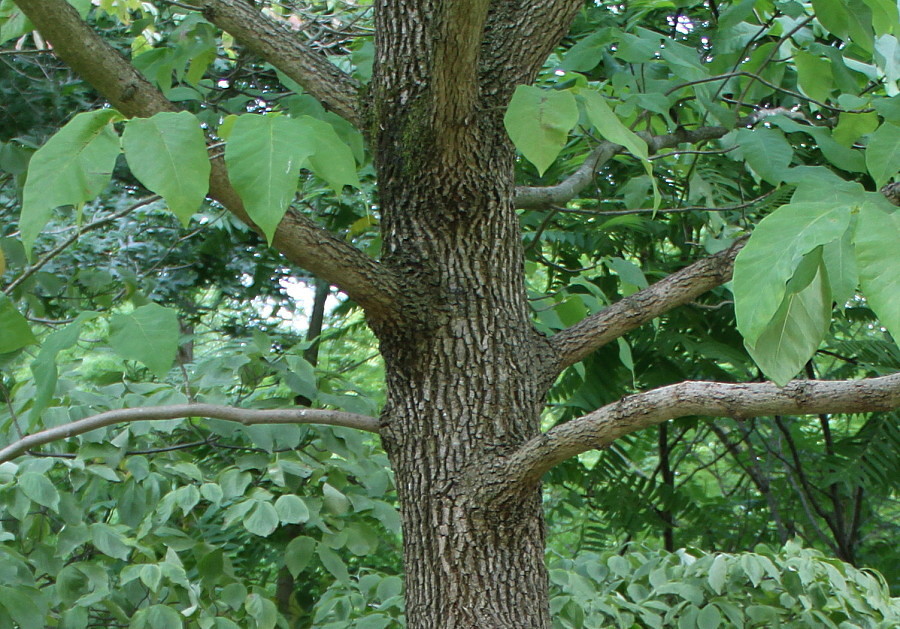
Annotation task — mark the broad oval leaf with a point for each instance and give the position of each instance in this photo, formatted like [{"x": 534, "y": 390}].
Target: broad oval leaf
[
  {"x": 262, "y": 520},
  {"x": 794, "y": 333},
  {"x": 883, "y": 153},
  {"x": 298, "y": 554},
  {"x": 148, "y": 334},
  {"x": 331, "y": 159},
  {"x": 167, "y": 153},
  {"x": 71, "y": 168},
  {"x": 878, "y": 259},
  {"x": 39, "y": 489},
  {"x": 27, "y": 607},
  {"x": 291, "y": 509},
  {"x": 771, "y": 256},
  {"x": 264, "y": 155},
  {"x": 767, "y": 152},
  {"x": 538, "y": 122}
]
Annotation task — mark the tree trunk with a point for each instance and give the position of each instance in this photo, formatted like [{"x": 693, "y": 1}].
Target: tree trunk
[{"x": 464, "y": 382}]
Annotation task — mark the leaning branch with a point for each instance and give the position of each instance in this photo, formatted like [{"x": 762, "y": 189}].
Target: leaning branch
[
  {"x": 247, "y": 417},
  {"x": 297, "y": 237},
  {"x": 600, "y": 428},
  {"x": 536, "y": 197},
  {"x": 577, "y": 342},
  {"x": 337, "y": 90}
]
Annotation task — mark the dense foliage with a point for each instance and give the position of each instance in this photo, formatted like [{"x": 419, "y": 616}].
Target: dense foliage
[{"x": 168, "y": 299}]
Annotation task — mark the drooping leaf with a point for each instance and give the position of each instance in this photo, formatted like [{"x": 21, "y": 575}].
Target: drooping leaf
[
  {"x": 73, "y": 167},
  {"x": 610, "y": 127},
  {"x": 883, "y": 153},
  {"x": 14, "y": 329},
  {"x": 794, "y": 333},
  {"x": 167, "y": 153},
  {"x": 767, "y": 152},
  {"x": 538, "y": 122},
  {"x": 39, "y": 489},
  {"x": 291, "y": 509},
  {"x": 298, "y": 553},
  {"x": 27, "y": 608},
  {"x": 772, "y": 254},
  {"x": 264, "y": 155},
  {"x": 333, "y": 563},
  {"x": 148, "y": 334},
  {"x": 840, "y": 262},
  {"x": 262, "y": 520},
  {"x": 878, "y": 259},
  {"x": 814, "y": 75},
  {"x": 109, "y": 541},
  {"x": 262, "y": 610},
  {"x": 331, "y": 159}
]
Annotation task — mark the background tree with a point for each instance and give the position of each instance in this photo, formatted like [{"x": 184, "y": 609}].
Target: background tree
[{"x": 698, "y": 128}]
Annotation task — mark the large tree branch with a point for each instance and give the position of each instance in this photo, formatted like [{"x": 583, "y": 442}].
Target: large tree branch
[
  {"x": 247, "y": 417},
  {"x": 577, "y": 342},
  {"x": 338, "y": 91},
  {"x": 600, "y": 428},
  {"x": 297, "y": 237}
]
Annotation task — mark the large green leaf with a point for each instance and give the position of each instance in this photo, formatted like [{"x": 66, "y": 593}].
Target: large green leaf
[
  {"x": 794, "y": 333},
  {"x": 14, "y": 329},
  {"x": 840, "y": 262},
  {"x": 878, "y": 258},
  {"x": 298, "y": 554},
  {"x": 167, "y": 153},
  {"x": 767, "y": 152},
  {"x": 27, "y": 607},
  {"x": 772, "y": 254},
  {"x": 264, "y": 155},
  {"x": 538, "y": 122},
  {"x": 331, "y": 159},
  {"x": 262, "y": 520},
  {"x": 814, "y": 75},
  {"x": 39, "y": 488},
  {"x": 148, "y": 334},
  {"x": 883, "y": 153},
  {"x": 610, "y": 127},
  {"x": 73, "y": 167}
]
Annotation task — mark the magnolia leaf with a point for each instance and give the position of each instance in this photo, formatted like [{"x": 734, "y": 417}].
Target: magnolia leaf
[
  {"x": 167, "y": 153},
  {"x": 538, "y": 122},
  {"x": 878, "y": 258},
  {"x": 840, "y": 262},
  {"x": 264, "y": 155},
  {"x": 298, "y": 554},
  {"x": 793, "y": 335},
  {"x": 771, "y": 255},
  {"x": 767, "y": 152},
  {"x": 73, "y": 167},
  {"x": 262, "y": 520},
  {"x": 148, "y": 334},
  {"x": 291, "y": 509}
]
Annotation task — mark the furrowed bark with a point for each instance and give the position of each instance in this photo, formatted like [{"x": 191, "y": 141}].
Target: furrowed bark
[
  {"x": 297, "y": 237},
  {"x": 247, "y": 417},
  {"x": 600, "y": 428},
  {"x": 577, "y": 342},
  {"x": 337, "y": 91}
]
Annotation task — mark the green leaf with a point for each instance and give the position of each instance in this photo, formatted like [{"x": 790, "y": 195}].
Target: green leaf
[
  {"x": 151, "y": 576},
  {"x": 43, "y": 367},
  {"x": 331, "y": 159},
  {"x": 851, "y": 127},
  {"x": 771, "y": 256},
  {"x": 610, "y": 127},
  {"x": 883, "y": 153},
  {"x": 73, "y": 167},
  {"x": 13, "y": 22},
  {"x": 878, "y": 258},
  {"x": 814, "y": 75},
  {"x": 39, "y": 488},
  {"x": 262, "y": 610},
  {"x": 335, "y": 502},
  {"x": 167, "y": 153},
  {"x": 767, "y": 152},
  {"x": 709, "y": 617},
  {"x": 298, "y": 554},
  {"x": 163, "y": 617},
  {"x": 587, "y": 53},
  {"x": 148, "y": 334},
  {"x": 15, "y": 332},
  {"x": 264, "y": 155},
  {"x": 538, "y": 122},
  {"x": 717, "y": 572},
  {"x": 109, "y": 541},
  {"x": 26, "y": 607},
  {"x": 333, "y": 563},
  {"x": 291, "y": 509},
  {"x": 795, "y": 332},
  {"x": 840, "y": 262},
  {"x": 262, "y": 520}
]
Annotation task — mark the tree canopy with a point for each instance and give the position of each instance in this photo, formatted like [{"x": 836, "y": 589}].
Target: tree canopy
[{"x": 273, "y": 271}]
